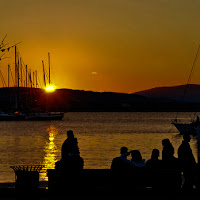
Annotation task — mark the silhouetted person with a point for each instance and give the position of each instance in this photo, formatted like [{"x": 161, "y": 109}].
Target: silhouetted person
[
  {"x": 168, "y": 159},
  {"x": 71, "y": 163},
  {"x": 153, "y": 166},
  {"x": 120, "y": 170},
  {"x": 70, "y": 145},
  {"x": 138, "y": 173},
  {"x": 137, "y": 160},
  {"x": 171, "y": 168},
  {"x": 188, "y": 162},
  {"x": 121, "y": 163},
  {"x": 71, "y": 160},
  {"x": 69, "y": 168},
  {"x": 168, "y": 149},
  {"x": 154, "y": 162}
]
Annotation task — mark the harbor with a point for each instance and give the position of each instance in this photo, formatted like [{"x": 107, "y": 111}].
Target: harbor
[
  {"x": 99, "y": 100},
  {"x": 39, "y": 143}
]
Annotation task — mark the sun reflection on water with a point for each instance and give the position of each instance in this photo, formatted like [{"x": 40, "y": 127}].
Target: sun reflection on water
[{"x": 50, "y": 150}]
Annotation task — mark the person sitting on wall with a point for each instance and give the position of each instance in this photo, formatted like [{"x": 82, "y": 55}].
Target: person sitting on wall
[
  {"x": 70, "y": 167},
  {"x": 154, "y": 162},
  {"x": 138, "y": 172},
  {"x": 137, "y": 160},
  {"x": 120, "y": 170},
  {"x": 170, "y": 173},
  {"x": 121, "y": 162},
  {"x": 153, "y": 167},
  {"x": 70, "y": 145},
  {"x": 71, "y": 160}
]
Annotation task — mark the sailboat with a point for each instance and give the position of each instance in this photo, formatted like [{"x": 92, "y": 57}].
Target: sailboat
[
  {"x": 42, "y": 116},
  {"x": 16, "y": 115},
  {"x": 9, "y": 116},
  {"x": 16, "y": 107},
  {"x": 188, "y": 128}
]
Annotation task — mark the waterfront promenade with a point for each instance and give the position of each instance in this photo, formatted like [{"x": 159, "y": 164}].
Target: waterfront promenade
[
  {"x": 91, "y": 190},
  {"x": 8, "y": 192}
]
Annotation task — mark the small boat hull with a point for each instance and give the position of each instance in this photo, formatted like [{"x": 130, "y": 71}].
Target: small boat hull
[
  {"x": 45, "y": 116},
  {"x": 12, "y": 117},
  {"x": 186, "y": 128}
]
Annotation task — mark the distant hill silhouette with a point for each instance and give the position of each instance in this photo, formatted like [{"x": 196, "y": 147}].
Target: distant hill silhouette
[
  {"x": 32, "y": 99},
  {"x": 174, "y": 93},
  {"x": 156, "y": 99}
]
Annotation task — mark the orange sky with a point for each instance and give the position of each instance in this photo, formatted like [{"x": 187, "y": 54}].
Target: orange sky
[{"x": 105, "y": 45}]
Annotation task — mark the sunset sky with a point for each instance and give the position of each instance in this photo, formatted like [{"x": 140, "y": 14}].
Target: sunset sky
[{"x": 105, "y": 45}]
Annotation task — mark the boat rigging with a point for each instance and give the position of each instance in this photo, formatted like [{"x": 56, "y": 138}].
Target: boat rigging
[{"x": 188, "y": 128}]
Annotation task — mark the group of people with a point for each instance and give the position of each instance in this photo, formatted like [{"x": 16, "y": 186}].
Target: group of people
[{"x": 185, "y": 163}]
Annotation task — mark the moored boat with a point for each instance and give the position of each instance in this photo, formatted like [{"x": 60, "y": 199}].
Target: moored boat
[
  {"x": 45, "y": 116},
  {"x": 186, "y": 128},
  {"x": 12, "y": 116}
]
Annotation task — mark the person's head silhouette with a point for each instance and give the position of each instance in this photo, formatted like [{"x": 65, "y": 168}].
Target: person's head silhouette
[
  {"x": 136, "y": 156},
  {"x": 155, "y": 154},
  {"x": 70, "y": 134},
  {"x": 123, "y": 150},
  {"x": 166, "y": 142}
]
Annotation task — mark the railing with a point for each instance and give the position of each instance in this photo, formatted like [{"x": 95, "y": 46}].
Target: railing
[
  {"x": 27, "y": 176},
  {"x": 37, "y": 168}
]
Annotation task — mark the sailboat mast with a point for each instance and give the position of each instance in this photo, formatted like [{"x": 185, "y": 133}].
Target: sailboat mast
[
  {"x": 49, "y": 69},
  {"x": 36, "y": 79},
  {"x": 18, "y": 73},
  {"x": 44, "y": 73},
  {"x": 21, "y": 72},
  {"x": 33, "y": 79},
  {"x": 26, "y": 75},
  {"x": 15, "y": 66},
  {"x": 8, "y": 76}
]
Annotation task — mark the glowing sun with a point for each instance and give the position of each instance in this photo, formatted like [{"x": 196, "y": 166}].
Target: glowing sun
[{"x": 50, "y": 88}]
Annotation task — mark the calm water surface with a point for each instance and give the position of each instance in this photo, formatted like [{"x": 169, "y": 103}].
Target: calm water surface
[{"x": 100, "y": 136}]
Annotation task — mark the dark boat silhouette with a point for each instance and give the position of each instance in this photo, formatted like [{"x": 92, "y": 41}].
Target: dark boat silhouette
[{"x": 188, "y": 128}]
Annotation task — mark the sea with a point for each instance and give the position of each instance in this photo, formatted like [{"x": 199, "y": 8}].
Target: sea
[{"x": 100, "y": 136}]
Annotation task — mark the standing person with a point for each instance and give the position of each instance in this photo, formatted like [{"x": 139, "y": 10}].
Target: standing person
[
  {"x": 187, "y": 161},
  {"x": 168, "y": 159},
  {"x": 170, "y": 164},
  {"x": 70, "y": 145}
]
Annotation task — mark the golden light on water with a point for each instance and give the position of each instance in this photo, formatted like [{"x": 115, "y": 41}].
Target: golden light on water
[
  {"x": 50, "y": 151},
  {"x": 50, "y": 88}
]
